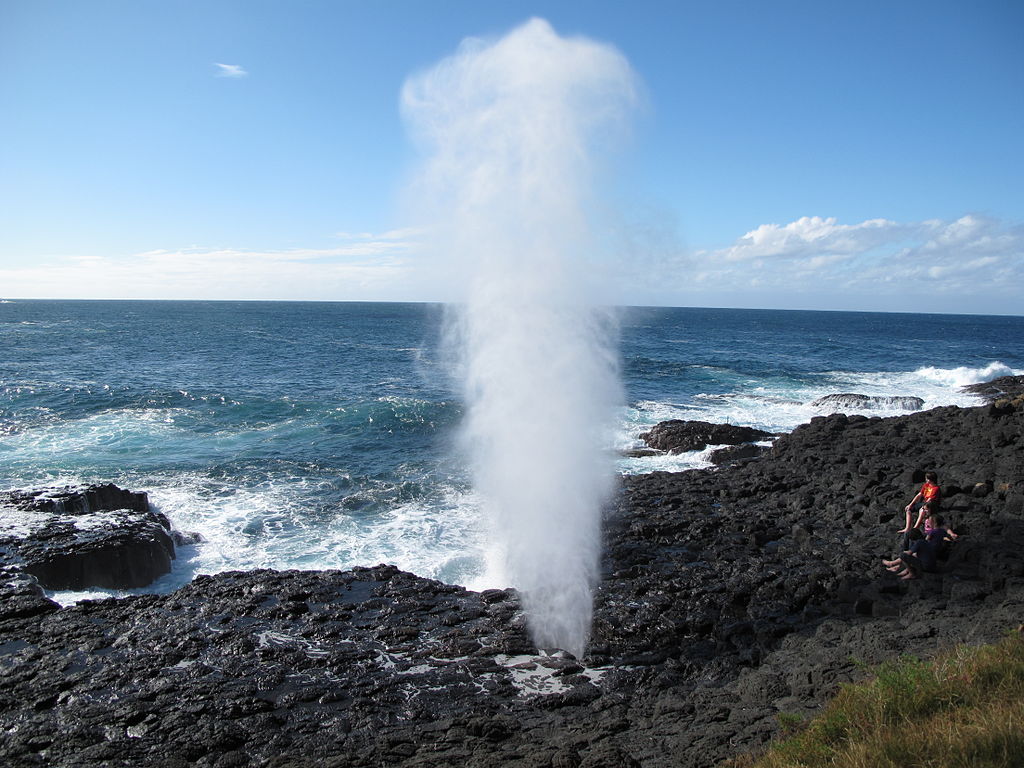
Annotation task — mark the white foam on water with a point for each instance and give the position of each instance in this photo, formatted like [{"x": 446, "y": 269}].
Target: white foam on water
[
  {"x": 936, "y": 386},
  {"x": 668, "y": 462},
  {"x": 101, "y": 438},
  {"x": 95, "y": 520},
  {"x": 270, "y": 526},
  {"x": 961, "y": 377},
  {"x": 446, "y": 536},
  {"x": 21, "y": 522},
  {"x": 781, "y": 406},
  {"x": 531, "y": 677},
  {"x": 270, "y": 638},
  {"x": 445, "y": 542}
]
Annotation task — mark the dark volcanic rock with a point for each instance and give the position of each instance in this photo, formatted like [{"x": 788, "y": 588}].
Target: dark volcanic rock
[
  {"x": 727, "y": 597},
  {"x": 772, "y": 570},
  {"x": 738, "y": 453},
  {"x": 373, "y": 663},
  {"x": 676, "y": 436},
  {"x": 20, "y": 595},
  {"x": 838, "y": 402},
  {"x": 1004, "y": 387},
  {"x": 640, "y": 453},
  {"x": 101, "y": 536},
  {"x": 76, "y": 501}
]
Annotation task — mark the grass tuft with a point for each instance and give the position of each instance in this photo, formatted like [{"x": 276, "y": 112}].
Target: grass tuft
[{"x": 964, "y": 709}]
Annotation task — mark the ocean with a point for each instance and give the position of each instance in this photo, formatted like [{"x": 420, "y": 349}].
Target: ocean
[{"x": 324, "y": 435}]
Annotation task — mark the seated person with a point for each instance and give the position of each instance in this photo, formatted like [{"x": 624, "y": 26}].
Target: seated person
[
  {"x": 931, "y": 515},
  {"x": 927, "y": 498},
  {"x": 923, "y": 554}
]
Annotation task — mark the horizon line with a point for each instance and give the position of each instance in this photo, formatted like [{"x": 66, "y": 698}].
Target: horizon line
[{"x": 15, "y": 300}]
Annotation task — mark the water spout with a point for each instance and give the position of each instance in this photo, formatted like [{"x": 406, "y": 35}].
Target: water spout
[{"x": 512, "y": 130}]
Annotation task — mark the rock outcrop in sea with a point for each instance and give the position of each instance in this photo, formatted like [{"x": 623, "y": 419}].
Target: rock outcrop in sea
[
  {"x": 677, "y": 435},
  {"x": 75, "y": 538},
  {"x": 728, "y": 596},
  {"x": 849, "y": 401}
]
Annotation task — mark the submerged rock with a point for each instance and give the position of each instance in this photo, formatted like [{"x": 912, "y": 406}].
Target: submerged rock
[
  {"x": 836, "y": 403},
  {"x": 640, "y": 453},
  {"x": 677, "y": 436}
]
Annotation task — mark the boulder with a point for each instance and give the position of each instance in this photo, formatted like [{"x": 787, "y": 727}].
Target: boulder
[
  {"x": 677, "y": 436},
  {"x": 738, "y": 453}
]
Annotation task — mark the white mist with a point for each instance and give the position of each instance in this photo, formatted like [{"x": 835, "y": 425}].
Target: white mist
[{"x": 512, "y": 129}]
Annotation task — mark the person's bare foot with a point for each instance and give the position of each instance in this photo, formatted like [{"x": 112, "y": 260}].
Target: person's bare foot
[{"x": 908, "y": 577}]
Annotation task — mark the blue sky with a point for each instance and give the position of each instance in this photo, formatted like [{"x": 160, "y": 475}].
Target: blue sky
[{"x": 820, "y": 155}]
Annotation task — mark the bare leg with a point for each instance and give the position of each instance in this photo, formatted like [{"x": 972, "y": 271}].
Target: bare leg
[{"x": 906, "y": 526}]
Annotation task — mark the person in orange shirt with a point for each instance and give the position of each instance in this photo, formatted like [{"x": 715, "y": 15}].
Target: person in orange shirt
[{"x": 927, "y": 500}]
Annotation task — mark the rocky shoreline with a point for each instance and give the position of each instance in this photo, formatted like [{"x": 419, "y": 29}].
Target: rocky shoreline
[{"x": 728, "y": 596}]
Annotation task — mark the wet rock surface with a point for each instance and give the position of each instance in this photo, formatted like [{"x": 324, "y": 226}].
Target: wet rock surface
[{"x": 727, "y": 596}]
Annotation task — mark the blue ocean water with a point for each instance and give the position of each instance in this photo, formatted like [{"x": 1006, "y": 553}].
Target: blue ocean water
[{"x": 322, "y": 435}]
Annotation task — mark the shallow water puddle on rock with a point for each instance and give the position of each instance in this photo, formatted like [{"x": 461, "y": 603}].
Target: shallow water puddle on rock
[{"x": 269, "y": 638}]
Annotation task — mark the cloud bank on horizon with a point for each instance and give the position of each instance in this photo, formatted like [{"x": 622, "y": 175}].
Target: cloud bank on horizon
[
  {"x": 365, "y": 265},
  {"x": 968, "y": 265}
]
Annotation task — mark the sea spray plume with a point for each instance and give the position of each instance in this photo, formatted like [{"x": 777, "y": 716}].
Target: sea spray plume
[{"x": 511, "y": 129}]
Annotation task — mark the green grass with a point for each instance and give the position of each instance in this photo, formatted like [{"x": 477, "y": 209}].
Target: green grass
[{"x": 964, "y": 709}]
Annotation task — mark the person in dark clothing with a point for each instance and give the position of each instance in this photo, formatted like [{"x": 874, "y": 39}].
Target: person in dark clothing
[{"x": 923, "y": 553}]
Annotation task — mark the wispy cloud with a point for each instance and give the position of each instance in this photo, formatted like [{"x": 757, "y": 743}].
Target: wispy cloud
[
  {"x": 230, "y": 70},
  {"x": 405, "y": 233}
]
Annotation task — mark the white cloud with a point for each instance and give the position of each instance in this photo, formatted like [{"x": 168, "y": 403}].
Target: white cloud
[
  {"x": 973, "y": 260},
  {"x": 810, "y": 235},
  {"x": 230, "y": 70}
]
